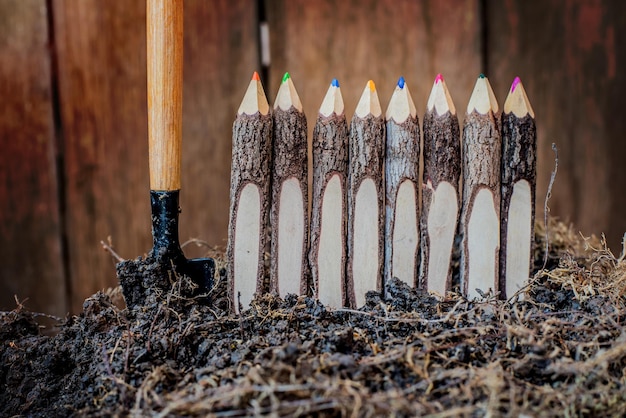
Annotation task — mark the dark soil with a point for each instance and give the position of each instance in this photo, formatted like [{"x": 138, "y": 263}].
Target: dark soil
[{"x": 560, "y": 351}]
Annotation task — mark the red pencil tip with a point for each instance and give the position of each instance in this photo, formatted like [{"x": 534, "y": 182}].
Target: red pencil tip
[
  {"x": 256, "y": 77},
  {"x": 438, "y": 78},
  {"x": 515, "y": 83}
]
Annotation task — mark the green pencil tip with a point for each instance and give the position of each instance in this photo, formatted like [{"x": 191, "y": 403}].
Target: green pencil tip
[
  {"x": 286, "y": 77},
  {"x": 481, "y": 75}
]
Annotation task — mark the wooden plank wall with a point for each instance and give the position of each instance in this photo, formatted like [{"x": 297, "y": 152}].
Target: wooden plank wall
[
  {"x": 88, "y": 68},
  {"x": 31, "y": 263},
  {"x": 571, "y": 58}
]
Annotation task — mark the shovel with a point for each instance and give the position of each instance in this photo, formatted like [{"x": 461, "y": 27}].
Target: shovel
[{"x": 165, "y": 62}]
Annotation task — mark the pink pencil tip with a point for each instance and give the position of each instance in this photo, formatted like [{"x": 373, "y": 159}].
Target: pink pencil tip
[
  {"x": 515, "y": 83},
  {"x": 439, "y": 78}
]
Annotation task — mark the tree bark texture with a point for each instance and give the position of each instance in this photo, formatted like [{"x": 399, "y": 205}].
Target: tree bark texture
[
  {"x": 481, "y": 169},
  {"x": 289, "y": 161},
  {"x": 366, "y": 156},
  {"x": 330, "y": 157},
  {"x": 442, "y": 162},
  {"x": 519, "y": 150},
  {"x": 402, "y": 158},
  {"x": 251, "y": 163}
]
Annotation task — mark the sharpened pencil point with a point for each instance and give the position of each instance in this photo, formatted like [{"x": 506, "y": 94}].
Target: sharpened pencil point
[
  {"x": 333, "y": 101},
  {"x": 401, "y": 104},
  {"x": 515, "y": 83},
  {"x": 439, "y": 99},
  {"x": 256, "y": 77},
  {"x": 482, "y": 99},
  {"x": 368, "y": 103},
  {"x": 287, "y": 95}
]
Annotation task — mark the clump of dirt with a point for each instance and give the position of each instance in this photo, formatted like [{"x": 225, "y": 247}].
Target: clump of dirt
[{"x": 561, "y": 350}]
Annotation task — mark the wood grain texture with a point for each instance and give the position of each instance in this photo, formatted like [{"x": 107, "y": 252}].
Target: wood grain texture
[
  {"x": 165, "y": 92},
  {"x": 30, "y": 229},
  {"x": 571, "y": 56},
  {"x": 251, "y": 164},
  {"x": 101, "y": 49},
  {"x": 519, "y": 147},
  {"x": 481, "y": 171},
  {"x": 442, "y": 163},
  {"x": 330, "y": 158},
  {"x": 289, "y": 163},
  {"x": 402, "y": 160},
  {"x": 354, "y": 41},
  {"x": 366, "y": 154}
]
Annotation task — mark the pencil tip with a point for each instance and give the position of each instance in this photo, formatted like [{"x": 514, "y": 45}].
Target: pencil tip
[
  {"x": 401, "y": 82},
  {"x": 439, "y": 78},
  {"x": 482, "y": 99},
  {"x": 481, "y": 75},
  {"x": 256, "y": 77},
  {"x": 368, "y": 103},
  {"x": 515, "y": 83},
  {"x": 286, "y": 77},
  {"x": 333, "y": 101}
]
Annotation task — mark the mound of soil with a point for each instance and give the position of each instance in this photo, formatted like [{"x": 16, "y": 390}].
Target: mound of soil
[{"x": 559, "y": 351}]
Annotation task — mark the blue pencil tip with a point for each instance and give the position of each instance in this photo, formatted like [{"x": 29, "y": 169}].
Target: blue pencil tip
[
  {"x": 401, "y": 82},
  {"x": 335, "y": 83}
]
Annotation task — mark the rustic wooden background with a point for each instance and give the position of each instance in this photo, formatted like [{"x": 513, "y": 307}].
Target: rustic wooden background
[{"x": 73, "y": 134}]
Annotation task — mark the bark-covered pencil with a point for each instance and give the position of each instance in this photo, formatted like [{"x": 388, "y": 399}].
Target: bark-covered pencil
[
  {"x": 519, "y": 174},
  {"x": 480, "y": 216},
  {"x": 402, "y": 187},
  {"x": 289, "y": 217},
  {"x": 366, "y": 223},
  {"x": 329, "y": 214},
  {"x": 440, "y": 189},
  {"x": 248, "y": 232}
]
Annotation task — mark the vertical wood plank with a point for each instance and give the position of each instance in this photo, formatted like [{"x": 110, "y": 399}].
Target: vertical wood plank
[
  {"x": 102, "y": 70},
  {"x": 570, "y": 57},
  {"x": 381, "y": 40},
  {"x": 30, "y": 235},
  {"x": 102, "y": 89}
]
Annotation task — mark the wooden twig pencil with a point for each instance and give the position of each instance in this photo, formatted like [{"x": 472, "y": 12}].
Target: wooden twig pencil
[
  {"x": 329, "y": 215},
  {"x": 366, "y": 223},
  {"x": 519, "y": 172},
  {"x": 440, "y": 189},
  {"x": 289, "y": 218},
  {"x": 480, "y": 216},
  {"x": 402, "y": 187},
  {"x": 248, "y": 232}
]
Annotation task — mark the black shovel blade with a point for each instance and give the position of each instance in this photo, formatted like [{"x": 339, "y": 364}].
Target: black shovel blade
[{"x": 202, "y": 272}]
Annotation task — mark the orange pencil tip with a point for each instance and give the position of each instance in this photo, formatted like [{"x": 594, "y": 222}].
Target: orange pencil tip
[
  {"x": 371, "y": 85},
  {"x": 256, "y": 77}
]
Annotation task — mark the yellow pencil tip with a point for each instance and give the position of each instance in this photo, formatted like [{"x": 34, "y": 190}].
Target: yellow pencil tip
[{"x": 371, "y": 85}]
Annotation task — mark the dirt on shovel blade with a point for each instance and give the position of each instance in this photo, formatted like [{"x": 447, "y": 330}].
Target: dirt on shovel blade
[{"x": 559, "y": 351}]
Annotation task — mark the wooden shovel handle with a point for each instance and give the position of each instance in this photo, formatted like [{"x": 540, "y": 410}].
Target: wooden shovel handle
[{"x": 165, "y": 91}]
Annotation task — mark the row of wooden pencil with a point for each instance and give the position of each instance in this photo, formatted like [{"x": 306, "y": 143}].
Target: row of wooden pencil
[{"x": 366, "y": 223}]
